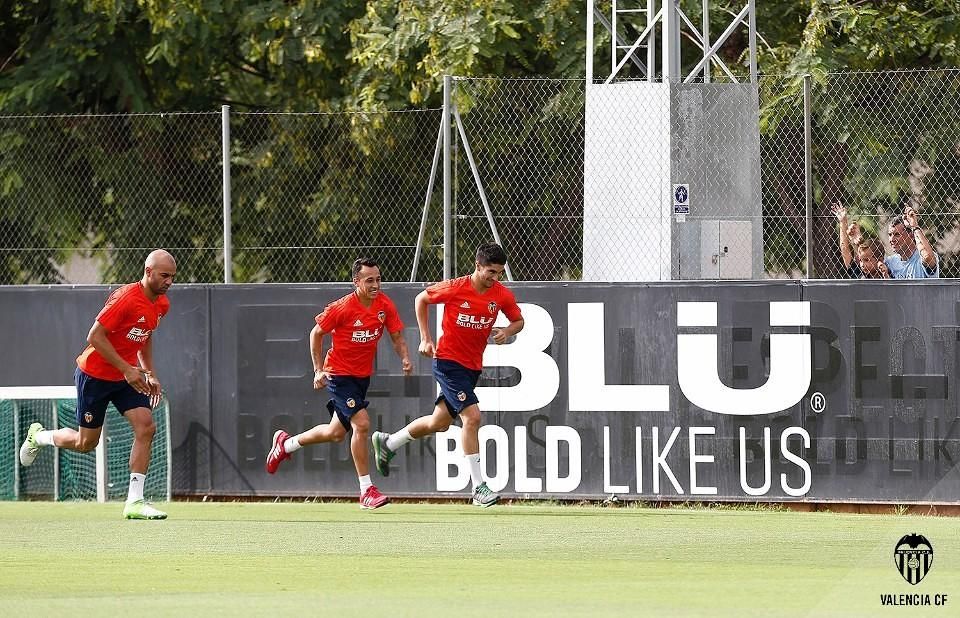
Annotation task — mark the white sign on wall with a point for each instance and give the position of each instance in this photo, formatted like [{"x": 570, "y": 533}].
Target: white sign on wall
[{"x": 681, "y": 199}]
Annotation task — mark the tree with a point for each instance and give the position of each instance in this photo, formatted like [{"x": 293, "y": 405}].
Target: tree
[
  {"x": 881, "y": 141},
  {"x": 308, "y": 180}
]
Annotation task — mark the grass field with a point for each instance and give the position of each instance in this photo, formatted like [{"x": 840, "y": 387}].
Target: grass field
[{"x": 78, "y": 559}]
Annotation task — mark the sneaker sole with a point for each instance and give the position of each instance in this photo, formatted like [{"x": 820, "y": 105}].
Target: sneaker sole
[
  {"x": 487, "y": 505},
  {"x": 364, "y": 507},
  {"x": 26, "y": 457},
  {"x": 145, "y": 517},
  {"x": 27, "y": 453}
]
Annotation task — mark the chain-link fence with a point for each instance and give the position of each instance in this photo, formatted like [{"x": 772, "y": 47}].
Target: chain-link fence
[
  {"x": 312, "y": 192},
  {"x": 883, "y": 142},
  {"x": 84, "y": 198},
  {"x": 638, "y": 181}
]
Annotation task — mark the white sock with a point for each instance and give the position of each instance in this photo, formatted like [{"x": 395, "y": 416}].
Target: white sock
[
  {"x": 136, "y": 487},
  {"x": 44, "y": 438},
  {"x": 398, "y": 439},
  {"x": 365, "y": 483},
  {"x": 475, "y": 476},
  {"x": 292, "y": 444}
]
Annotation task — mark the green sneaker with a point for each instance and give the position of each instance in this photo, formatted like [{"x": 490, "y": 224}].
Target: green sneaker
[
  {"x": 381, "y": 453},
  {"x": 30, "y": 448},
  {"x": 484, "y": 496},
  {"x": 141, "y": 510}
]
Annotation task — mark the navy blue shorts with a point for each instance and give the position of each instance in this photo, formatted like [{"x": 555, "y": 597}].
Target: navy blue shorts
[
  {"x": 456, "y": 385},
  {"x": 347, "y": 397},
  {"x": 93, "y": 395}
]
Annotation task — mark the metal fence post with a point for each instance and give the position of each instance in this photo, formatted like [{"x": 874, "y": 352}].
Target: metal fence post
[
  {"x": 447, "y": 185},
  {"x": 227, "y": 217},
  {"x": 808, "y": 169}
]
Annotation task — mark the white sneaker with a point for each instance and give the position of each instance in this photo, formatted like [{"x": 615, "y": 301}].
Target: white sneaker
[
  {"x": 484, "y": 496},
  {"x": 142, "y": 509},
  {"x": 30, "y": 448}
]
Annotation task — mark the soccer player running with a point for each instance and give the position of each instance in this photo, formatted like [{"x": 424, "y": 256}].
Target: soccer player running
[
  {"x": 117, "y": 367},
  {"x": 355, "y": 322},
  {"x": 470, "y": 307}
]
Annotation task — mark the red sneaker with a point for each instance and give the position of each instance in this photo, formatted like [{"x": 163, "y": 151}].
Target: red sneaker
[
  {"x": 373, "y": 499},
  {"x": 277, "y": 452}
]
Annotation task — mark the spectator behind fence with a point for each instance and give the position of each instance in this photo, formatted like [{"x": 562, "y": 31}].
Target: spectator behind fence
[
  {"x": 869, "y": 262},
  {"x": 913, "y": 256}
]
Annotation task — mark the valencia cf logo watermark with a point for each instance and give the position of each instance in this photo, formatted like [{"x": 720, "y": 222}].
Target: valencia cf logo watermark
[
  {"x": 88, "y": 417},
  {"x": 913, "y": 557}
]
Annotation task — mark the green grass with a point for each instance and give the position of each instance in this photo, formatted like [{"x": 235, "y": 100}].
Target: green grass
[{"x": 230, "y": 559}]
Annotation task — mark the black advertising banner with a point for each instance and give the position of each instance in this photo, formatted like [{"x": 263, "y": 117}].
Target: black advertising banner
[{"x": 760, "y": 391}]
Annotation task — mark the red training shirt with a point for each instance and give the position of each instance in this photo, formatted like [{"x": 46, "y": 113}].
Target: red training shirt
[
  {"x": 355, "y": 331},
  {"x": 468, "y": 318},
  {"x": 129, "y": 317}
]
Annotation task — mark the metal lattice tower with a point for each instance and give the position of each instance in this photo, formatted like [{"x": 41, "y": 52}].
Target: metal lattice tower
[{"x": 645, "y": 17}]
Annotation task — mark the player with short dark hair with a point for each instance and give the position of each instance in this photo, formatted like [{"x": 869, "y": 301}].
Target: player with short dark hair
[
  {"x": 117, "y": 367},
  {"x": 355, "y": 323},
  {"x": 470, "y": 307}
]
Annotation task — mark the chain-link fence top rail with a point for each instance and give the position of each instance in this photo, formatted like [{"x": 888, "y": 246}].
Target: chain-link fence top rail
[{"x": 83, "y": 198}]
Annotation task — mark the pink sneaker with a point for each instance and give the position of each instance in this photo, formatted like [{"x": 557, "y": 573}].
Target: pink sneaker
[
  {"x": 373, "y": 499},
  {"x": 277, "y": 452}
]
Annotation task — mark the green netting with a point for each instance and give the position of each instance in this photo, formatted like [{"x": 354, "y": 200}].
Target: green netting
[
  {"x": 78, "y": 472},
  {"x": 37, "y": 482},
  {"x": 8, "y": 451},
  {"x": 77, "y": 478}
]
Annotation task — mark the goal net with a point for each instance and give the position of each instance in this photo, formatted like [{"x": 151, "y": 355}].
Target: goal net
[{"x": 60, "y": 474}]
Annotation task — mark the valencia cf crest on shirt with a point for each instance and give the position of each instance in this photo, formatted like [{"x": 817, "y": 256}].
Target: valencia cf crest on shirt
[
  {"x": 381, "y": 315},
  {"x": 492, "y": 307}
]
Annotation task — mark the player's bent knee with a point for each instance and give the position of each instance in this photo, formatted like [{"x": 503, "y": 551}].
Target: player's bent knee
[
  {"x": 361, "y": 427},
  {"x": 145, "y": 432},
  {"x": 470, "y": 418},
  {"x": 441, "y": 424},
  {"x": 85, "y": 446}
]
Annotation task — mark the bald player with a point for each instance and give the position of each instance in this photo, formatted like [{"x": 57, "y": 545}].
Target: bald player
[{"x": 117, "y": 367}]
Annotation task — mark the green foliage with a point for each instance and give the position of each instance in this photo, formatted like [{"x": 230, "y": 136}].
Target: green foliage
[
  {"x": 880, "y": 140},
  {"x": 309, "y": 185},
  {"x": 402, "y": 49}
]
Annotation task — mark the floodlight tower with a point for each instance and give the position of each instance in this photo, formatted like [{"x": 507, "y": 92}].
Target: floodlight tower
[{"x": 672, "y": 160}]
